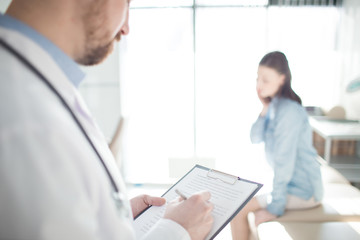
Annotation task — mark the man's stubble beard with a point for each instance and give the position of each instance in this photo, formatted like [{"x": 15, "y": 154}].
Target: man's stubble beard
[
  {"x": 95, "y": 53},
  {"x": 98, "y": 43}
]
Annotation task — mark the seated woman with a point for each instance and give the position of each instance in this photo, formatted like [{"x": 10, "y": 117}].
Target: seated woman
[{"x": 284, "y": 128}]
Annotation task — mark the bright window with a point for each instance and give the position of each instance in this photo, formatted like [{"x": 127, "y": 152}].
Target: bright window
[
  {"x": 189, "y": 91},
  {"x": 157, "y": 91}
]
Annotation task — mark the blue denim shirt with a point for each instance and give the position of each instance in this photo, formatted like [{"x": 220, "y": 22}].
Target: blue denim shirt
[{"x": 287, "y": 135}]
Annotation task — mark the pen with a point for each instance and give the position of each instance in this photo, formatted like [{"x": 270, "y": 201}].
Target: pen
[{"x": 180, "y": 194}]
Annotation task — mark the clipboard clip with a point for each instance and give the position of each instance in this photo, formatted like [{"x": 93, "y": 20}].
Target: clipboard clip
[{"x": 224, "y": 177}]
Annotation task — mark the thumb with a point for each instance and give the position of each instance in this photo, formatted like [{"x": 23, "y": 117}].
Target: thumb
[{"x": 155, "y": 201}]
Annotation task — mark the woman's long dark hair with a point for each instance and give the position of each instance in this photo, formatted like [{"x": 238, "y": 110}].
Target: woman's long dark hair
[{"x": 278, "y": 62}]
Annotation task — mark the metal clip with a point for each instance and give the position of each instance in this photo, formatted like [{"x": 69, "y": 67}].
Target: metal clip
[{"x": 224, "y": 177}]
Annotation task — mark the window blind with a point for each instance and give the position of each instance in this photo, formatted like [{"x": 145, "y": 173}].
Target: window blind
[{"x": 305, "y": 2}]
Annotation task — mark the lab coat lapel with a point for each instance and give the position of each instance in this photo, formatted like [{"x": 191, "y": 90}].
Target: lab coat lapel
[{"x": 44, "y": 63}]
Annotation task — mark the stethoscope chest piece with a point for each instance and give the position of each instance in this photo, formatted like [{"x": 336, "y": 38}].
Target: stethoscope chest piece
[{"x": 120, "y": 200}]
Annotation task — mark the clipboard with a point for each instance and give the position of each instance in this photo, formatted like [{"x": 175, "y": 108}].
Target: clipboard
[{"x": 229, "y": 194}]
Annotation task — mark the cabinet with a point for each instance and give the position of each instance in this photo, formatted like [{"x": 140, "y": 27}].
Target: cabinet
[{"x": 339, "y": 146}]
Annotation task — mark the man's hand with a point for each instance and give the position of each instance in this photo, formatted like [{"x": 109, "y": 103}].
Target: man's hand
[
  {"x": 263, "y": 215},
  {"x": 139, "y": 203},
  {"x": 194, "y": 214}
]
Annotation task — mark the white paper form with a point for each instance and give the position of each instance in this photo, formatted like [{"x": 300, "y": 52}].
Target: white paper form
[{"x": 228, "y": 194}]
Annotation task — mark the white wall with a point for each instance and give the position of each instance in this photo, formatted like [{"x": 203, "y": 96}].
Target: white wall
[
  {"x": 349, "y": 53},
  {"x": 101, "y": 92}
]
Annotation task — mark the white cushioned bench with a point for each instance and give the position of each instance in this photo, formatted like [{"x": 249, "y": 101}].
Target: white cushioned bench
[
  {"x": 309, "y": 231},
  {"x": 338, "y": 217}
]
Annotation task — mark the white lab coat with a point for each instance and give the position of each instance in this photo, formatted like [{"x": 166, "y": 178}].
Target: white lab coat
[{"x": 52, "y": 184}]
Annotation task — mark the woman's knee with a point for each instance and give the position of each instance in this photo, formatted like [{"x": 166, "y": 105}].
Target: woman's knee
[{"x": 252, "y": 206}]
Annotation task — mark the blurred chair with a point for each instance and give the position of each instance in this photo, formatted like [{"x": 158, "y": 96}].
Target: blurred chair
[
  {"x": 336, "y": 112},
  {"x": 115, "y": 144}
]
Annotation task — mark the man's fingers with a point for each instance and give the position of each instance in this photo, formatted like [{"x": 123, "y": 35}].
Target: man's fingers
[{"x": 203, "y": 195}]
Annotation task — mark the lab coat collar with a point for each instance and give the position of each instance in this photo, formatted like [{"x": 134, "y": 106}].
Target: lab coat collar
[{"x": 70, "y": 68}]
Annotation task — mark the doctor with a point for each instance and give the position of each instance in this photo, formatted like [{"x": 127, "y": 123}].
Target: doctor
[{"x": 58, "y": 179}]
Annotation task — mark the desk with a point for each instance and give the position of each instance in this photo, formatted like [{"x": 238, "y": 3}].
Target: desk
[{"x": 330, "y": 130}]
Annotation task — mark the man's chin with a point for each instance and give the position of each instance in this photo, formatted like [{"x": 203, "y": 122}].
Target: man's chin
[{"x": 97, "y": 56}]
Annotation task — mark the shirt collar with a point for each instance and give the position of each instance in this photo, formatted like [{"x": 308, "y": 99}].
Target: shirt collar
[
  {"x": 276, "y": 99},
  {"x": 67, "y": 65}
]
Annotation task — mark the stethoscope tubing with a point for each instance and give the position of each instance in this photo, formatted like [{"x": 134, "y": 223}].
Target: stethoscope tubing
[{"x": 29, "y": 65}]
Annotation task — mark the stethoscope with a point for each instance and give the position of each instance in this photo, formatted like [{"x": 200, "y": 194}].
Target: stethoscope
[{"x": 116, "y": 194}]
